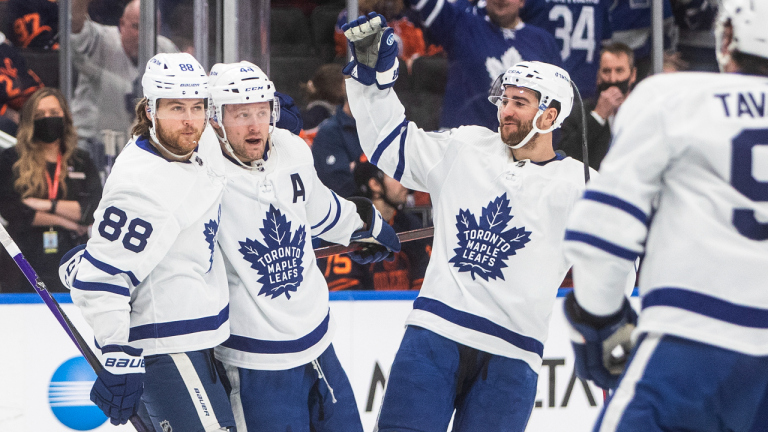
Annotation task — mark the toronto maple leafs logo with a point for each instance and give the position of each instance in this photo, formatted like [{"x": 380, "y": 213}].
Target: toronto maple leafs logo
[
  {"x": 278, "y": 260},
  {"x": 484, "y": 247},
  {"x": 496, "y": 67},
  {"x": 210, "y": 230}
]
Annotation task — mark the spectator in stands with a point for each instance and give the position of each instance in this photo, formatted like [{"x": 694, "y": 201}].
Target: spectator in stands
[
  {"x": 48, "y": 187},
  {"x": 337, "y": 150},
  {"x": 33, "y": 23},
  {"x": 106, "y": 59},
  {"x": 407, "y": 270},
  {"x": 404, "y": 22},
  {"x": 325, "y": 92},
  {"x": 696, "y": 20},
  {"x": 17, "y": 83},
  {"x": 480, "y": 48},
  {"x": 615, "y": 78}
]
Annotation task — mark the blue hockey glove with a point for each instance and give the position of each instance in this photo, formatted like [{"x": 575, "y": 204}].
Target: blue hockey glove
[
  {"x": 290, "y": 117},
  {"x": 117, "y": 390},
  {"x": 602, "y": 345},
  {"x": 69, "y": 265},
  {"x": 380, "y": 238},
  {"x": 374, "y": 51}
]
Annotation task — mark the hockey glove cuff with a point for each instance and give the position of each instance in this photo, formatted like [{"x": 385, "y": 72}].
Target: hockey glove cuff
[
  {"x": 380, "y": 238},
  {"x": 69, "y": 265},
  {"x": 602, "y": 345},
  {"x": 118, "y": 388},
  {"x": 374, "y": 51},
  {"x": 290, "y": 117}
]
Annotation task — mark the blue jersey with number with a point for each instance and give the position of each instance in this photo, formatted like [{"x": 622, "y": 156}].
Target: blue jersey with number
[
  {"x": 579, "y": 27},
  {"x": 686, "y": 185},
  {"x": 152, "y": 275},
  {"x": 631, "y": 20},
  {"x": 478, "y": 52}
]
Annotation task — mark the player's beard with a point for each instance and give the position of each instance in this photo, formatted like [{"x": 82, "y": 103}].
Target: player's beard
[
  {"x": 513, "y": 138},
  {"x": 178, "y": 144}
]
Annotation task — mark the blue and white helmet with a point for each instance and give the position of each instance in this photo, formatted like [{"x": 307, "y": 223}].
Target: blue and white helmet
[
  {"x": 750, "y": 32},
  {"x": 549, "y": 81},
  {"x": 173, "y": 76}
]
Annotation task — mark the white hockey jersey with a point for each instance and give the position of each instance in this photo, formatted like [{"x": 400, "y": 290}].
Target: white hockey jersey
[
  {"x": 152, "y": 276},
  {"x": 686, "y": 185},
  {"x": 280, "y": 316},
  {"x": 497, "y": 258}
]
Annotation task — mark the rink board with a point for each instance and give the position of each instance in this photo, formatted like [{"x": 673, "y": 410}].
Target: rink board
[{"x": 369, "y": 329}]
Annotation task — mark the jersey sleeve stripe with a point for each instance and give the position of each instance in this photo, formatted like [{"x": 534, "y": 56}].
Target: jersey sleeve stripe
[
  {"x": 386, "y": 142},
  {"x": 330, "y": 207},
  {"x": 618, "y": 203},
  {"x": 420, "y": 5},
  {"x": 435, "y": 12},
  {"x": 708, "y": 306},
  {"x": 106, "y": 268},
  {"x": 480, "y": 324},
  {"x": 99, "y": 286},
  {"x": 601, "y": 244},
  {"x": 177, "y": 328},
  {"x": 401, "y": 161},
  {"x": 260, "y": 346},
  {"x": 336, "y": 218}
]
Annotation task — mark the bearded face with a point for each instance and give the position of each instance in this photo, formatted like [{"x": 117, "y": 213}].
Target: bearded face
[{"x": 513, "y": 130}]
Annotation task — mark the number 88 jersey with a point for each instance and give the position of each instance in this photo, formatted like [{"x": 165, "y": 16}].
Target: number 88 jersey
[
  {"x": 685, "y": 184},
  {"x": 152, "y": 275}
]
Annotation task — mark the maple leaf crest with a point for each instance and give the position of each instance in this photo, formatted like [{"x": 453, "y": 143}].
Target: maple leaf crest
[
  {"x": 485, "y": 246},
  {"x": 279, "y": 259},
  {"x": 210, "y": 230}
]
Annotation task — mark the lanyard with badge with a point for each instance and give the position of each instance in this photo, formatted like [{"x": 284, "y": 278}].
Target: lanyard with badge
[{"x": 51, "y": 237}]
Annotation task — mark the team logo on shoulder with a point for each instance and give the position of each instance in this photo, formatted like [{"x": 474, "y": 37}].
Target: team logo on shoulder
[
  {"x": 484, "y": 247},
  {"x": 278, "y": 260},
  {"x": 211, "y": 229}
]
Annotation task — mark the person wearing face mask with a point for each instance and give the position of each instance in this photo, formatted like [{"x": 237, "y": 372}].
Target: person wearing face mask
[
  {"x": 48, "y": 189},
  {"x": 615, "y": 78}
]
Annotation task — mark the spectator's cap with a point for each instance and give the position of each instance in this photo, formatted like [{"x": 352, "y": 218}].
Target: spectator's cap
[
  {"x": 750, "y": 33},
  {"x": 549, "y": 81},
  {"x": 364, "y": 171}
]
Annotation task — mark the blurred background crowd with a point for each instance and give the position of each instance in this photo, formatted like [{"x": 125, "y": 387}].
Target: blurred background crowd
[{"x": 55, "y": 153}]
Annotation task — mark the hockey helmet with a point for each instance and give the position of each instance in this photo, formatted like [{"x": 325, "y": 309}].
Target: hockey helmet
[
  {"x": 549, "y": 81},
  {"x": 750, "y": 33}
]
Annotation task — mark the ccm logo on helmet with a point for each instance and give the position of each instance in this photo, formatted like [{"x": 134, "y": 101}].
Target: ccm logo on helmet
[{"x": 254, "y": 88}]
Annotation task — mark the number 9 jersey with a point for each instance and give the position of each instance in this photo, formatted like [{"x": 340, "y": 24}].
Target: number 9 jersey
[
  {"x": 152, "y": 276},
  {"x": 686, "y": 185}
]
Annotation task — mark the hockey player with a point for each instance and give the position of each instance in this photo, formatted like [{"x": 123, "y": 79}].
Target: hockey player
[
  {"x": 689, "y": 154},
  {"x": 282, "y": 368},
  {"x": 151, "y": 281},
  {"x": 474, "y": 340}
]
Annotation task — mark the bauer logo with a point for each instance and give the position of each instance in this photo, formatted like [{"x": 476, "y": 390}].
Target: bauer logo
[{"x": 69, "y": 396}]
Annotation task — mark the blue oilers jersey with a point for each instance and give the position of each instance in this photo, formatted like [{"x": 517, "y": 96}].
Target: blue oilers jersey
[
  {"x": 580, "y": 27},
  {"x": 152, "y": 276},
  {"x": 478, "y": 52},
  {"x": 685, "y": 185},
  {"x": 279, "y": 312},
  {"x": 497, "y": 258}
]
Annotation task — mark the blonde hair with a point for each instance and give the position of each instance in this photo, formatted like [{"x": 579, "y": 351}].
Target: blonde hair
[{"x": 30, "y": 168}]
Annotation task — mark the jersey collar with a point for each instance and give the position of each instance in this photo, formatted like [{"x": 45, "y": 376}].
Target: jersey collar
[{"x": 143, "y": 143}]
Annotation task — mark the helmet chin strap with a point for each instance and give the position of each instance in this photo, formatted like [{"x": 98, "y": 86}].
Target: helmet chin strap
[
  {"x": 156, "y": 141},
  {"x": 530, "y": 135}
]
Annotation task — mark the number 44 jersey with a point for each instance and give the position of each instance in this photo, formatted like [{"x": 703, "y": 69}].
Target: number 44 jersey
[
  {"x": 685, "y": 184},
  {"x": 152, "y": 276}
]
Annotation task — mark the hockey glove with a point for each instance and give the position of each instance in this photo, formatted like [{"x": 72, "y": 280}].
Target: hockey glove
[
  {"x": 117, "y": 390},
  {"x": 69, "y": 264},
  {"x": 380, "y": 238},
  {"x": 602, "y": 345},
  {"x": 290, "y": 117},
  {"x": 374, "y": 51}
]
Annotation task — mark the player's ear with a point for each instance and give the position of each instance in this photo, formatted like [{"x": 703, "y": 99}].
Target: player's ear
[
  {"x": 547, "y": 119},
  {"x": 374, "y": 187}
]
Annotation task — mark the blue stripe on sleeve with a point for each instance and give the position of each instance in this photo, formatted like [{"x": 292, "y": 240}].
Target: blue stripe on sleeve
[
  {"x": 401, "y": 155},
  {"x": 479, "y": 324},
  {"x": 108, "y": 269},
  {"x": 708, "y": 306},
  {"x": 98, "y": 286},
  {"x": 178, "y": 328},
  {"x": 601, "y": 244},
  {"x": 386, "y": 142},
  {"x": 335, "y": 219},
  {"x": 330, "y": 207},
  {"x": 259, "y": 346},
  {"x": 617, "y": 203}
]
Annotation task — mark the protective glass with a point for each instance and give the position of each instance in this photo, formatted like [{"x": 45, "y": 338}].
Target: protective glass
[
  {"x": 248, "y": 114},
  {"x": 496, "y": 90},
  {"x": 182, "y": 109}
]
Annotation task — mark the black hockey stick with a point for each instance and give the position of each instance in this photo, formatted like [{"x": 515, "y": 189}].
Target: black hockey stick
[
  {"x": 53, "y": 305},
  {"x": 584, "y": 150},
  {"x": 406, "y": 236}
]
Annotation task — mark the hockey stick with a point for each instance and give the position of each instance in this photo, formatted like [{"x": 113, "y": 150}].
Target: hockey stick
[
  {"x": 53, "y": 305},
  {"x": 406, "y": 236},
  {"x": 584, "y": 150}
]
